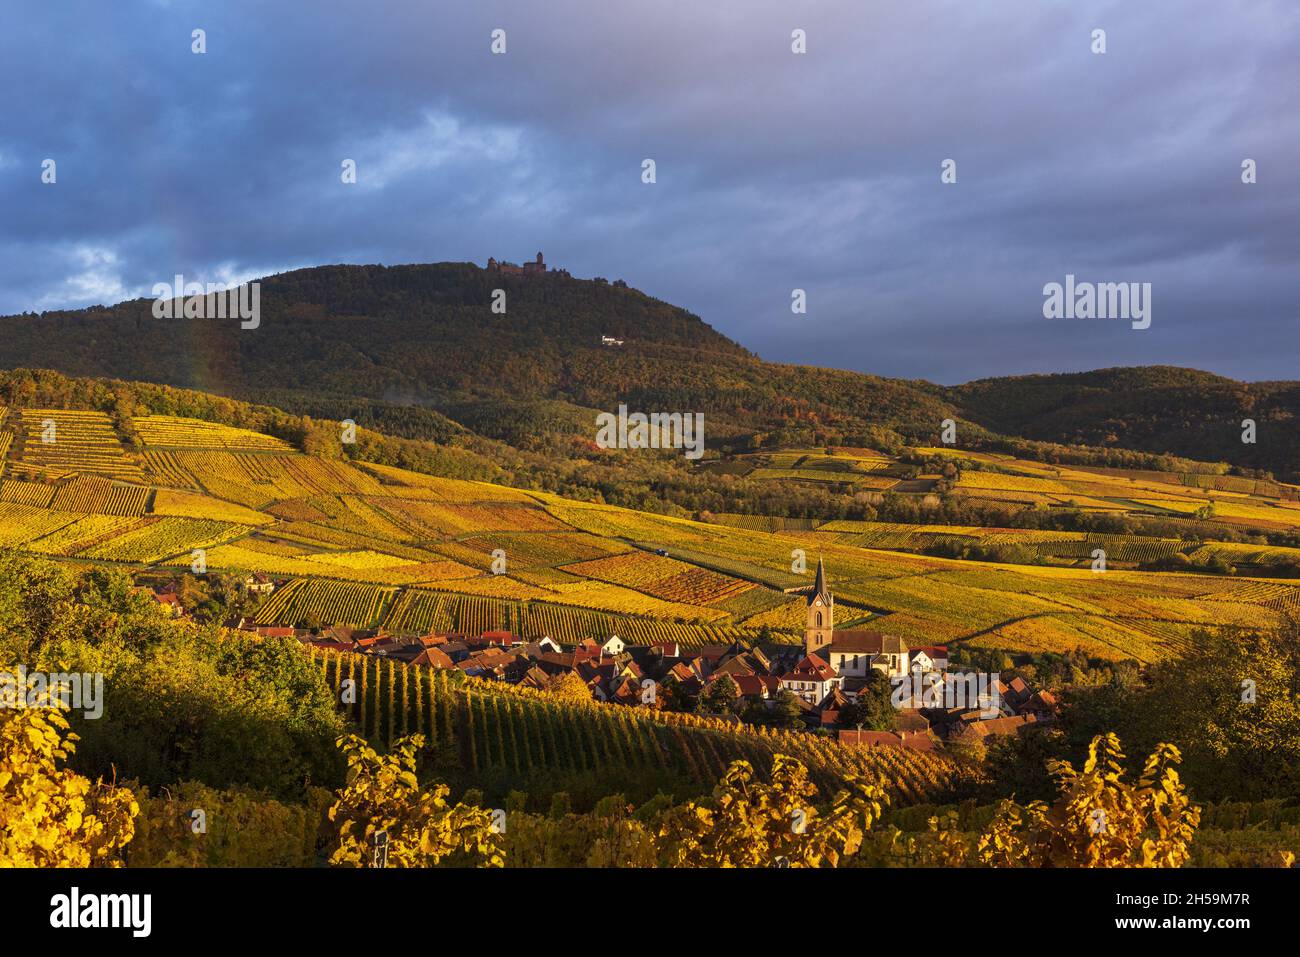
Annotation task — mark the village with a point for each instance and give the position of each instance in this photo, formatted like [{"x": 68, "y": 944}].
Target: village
[{"x": 844, "y": 683}]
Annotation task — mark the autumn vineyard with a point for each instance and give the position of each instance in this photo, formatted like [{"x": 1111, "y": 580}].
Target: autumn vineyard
[
  {"x": 293, "y": 576},
  {"x": 505, "y": 733}
]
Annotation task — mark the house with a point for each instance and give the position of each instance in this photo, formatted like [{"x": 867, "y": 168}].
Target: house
[
  {"x": 736, "y": 666},
  {"x": 610, "y": 341},
  {"x": 540, "y": 646},
  {"x": 830, "y": 707},
  {"x": 555, "y": 663},
  {"x": 364, "y": 639},
  {"x": 613, "y": 645},
  {"x": 360, "y": 636},
  {"x": 285, "y": 631},
  {"x": 811, "y": 680},
  {"x": 685, "y": 677},
  {"x": 869, "y": 739},
  {"x": 667, "y": 650},
  {"x": 169, "y": 602},
  {"x": 911, "y": 720},
  {"x": 980, "y": 730},
  {"x": 535, "y": 678},
  {"x": 588, "y": 649},
  {"x": 917, "y": 741},
  {"x": 601, "y": 673},
  {"x": 1043, "y": 704},
  {"x": 929, "y": 658},
  {"x": 433, "y": 658},
  {"x": 258, "y": 584},
  {"x": 1017, "y": 693},
  {"x": 455, "y": 650},
  {"x": 757, "y": 687},
  {"x": 489, "y": 663}
]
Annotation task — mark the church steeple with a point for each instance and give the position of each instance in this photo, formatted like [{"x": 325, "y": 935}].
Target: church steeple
[
  {"x": 819, "y": 585},
  {"x": 820, "y": 624}
]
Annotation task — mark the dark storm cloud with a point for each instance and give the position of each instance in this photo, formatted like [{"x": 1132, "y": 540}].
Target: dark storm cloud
[{"x": 775, "y": 171}]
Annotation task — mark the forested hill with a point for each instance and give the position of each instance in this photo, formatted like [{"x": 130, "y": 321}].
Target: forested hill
[
  {"x": 372, "y": 341},
  {"x": 368, "y": 330},
  {"x": 1182, "y": 412},
  {"x": 417, "y": 351}
]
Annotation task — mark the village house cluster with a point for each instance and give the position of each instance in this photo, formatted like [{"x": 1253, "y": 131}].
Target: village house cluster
[{"x": 822, "y": 678}]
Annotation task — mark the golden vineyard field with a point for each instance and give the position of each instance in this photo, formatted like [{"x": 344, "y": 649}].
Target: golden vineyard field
[{"x": 372, "y": 545}]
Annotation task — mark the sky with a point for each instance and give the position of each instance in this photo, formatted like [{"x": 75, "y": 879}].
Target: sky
[{"x": 774, "y": 170}]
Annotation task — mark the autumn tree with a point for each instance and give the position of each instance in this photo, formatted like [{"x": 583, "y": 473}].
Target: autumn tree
[
  {"x": 720, "y": 697},
  {"x": 569, "y": 689},
  {"x": 752, "y": 823},
  {"x": 1230, "y": 703},
  {"x": 50, "y": 816},
  {"x": 1099, "y": 818},
  {"x": 382, "y": 794}
]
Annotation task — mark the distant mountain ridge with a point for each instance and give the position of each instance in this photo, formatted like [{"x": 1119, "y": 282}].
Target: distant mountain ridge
[{"x": 417, "y": 350}]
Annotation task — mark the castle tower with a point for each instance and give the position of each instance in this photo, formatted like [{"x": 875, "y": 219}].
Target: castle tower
[{"x": 820, "y": 623}]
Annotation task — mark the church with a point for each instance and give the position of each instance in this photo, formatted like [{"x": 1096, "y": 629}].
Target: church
[{"x": 850, "y": 654}]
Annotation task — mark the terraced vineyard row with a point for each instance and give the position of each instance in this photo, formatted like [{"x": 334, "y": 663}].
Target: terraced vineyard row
[
  {"x": 258, "y": 479},
  {"x": 522, "y": 735},
  {"x": 418, "y": 610},
  {"x": 20, "y": 492},
  {"x": 60, "y": 442},
  {"x": 168, "y": 431},
  {"x": 86, "y": 533},
  {"x": 1118, "y": 548},
  {"x": 765, "y": 523},
  {"x": 20, "y": 524},
  {"x": 329, "y": 602},
  {"x": 90, "y": 493},
  {"x": 159, "y": 539},
  {"x": 662, "y": 577}
]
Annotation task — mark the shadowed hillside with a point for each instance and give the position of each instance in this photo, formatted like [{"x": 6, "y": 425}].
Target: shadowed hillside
[{"x": 417, "y": 351}]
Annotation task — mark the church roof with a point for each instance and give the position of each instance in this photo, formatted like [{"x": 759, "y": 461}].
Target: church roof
[
  {"x": 865, "y": 643},
  {"x": 819, "y": 588}
]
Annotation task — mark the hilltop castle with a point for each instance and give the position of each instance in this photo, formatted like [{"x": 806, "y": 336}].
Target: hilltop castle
[{"x": 535, "y": 268}]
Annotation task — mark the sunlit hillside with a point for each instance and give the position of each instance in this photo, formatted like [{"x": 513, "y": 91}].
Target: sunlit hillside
[{"x": 375, "y": 545}]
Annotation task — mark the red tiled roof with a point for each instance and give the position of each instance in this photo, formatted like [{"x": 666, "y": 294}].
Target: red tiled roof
[
  {"x": 811, "y": 668},
  {"x": 433, "y": 658},
  {"x": 329, "y": 645},
  {"x": 1012, "y": 725}
]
